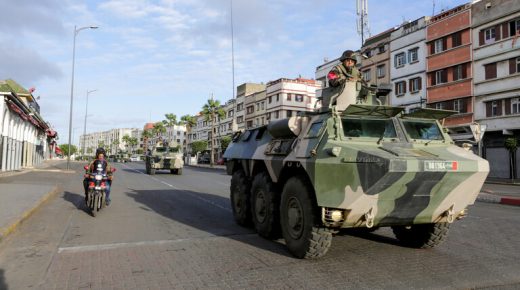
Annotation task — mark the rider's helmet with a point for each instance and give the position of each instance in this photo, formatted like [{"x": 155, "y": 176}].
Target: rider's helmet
[{"x": 100, "y": 150}]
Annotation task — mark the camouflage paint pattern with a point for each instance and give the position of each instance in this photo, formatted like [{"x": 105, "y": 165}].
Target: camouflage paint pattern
[
  {"x": 394, "y": 181},
  {"x": 164, "y": 160}
]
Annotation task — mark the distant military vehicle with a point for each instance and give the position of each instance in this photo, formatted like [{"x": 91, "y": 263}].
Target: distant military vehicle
[
  {"x": 353, "y": 163},
  {"x": 162, "y": 157}
]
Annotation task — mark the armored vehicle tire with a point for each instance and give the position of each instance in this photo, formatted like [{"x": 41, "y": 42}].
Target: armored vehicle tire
[
  {"x": 179, "y": 171},
  {"x": 422, "y": 236},
  {"x": 298, "y": 218},
  {"x": 173, "y": 171},
  {"x": 265, "y": 205},
  {"x": 152, "y": 171},
  {"x": 239, "y": 196}
]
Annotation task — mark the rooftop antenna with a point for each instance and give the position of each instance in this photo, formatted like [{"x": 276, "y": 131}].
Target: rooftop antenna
[
  {"x": 433, "y": 9},
  {"x": 362, "y": 19}
]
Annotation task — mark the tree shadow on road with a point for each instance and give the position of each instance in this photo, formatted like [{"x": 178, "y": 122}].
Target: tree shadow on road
[
  {"x": 202, "y": 211},
  {"x": 3, "y": 285},
  {"x": 78, "y": 200}
]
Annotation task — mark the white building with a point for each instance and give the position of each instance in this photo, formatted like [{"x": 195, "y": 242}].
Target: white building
[
  {"x": 25, "y": 138},
  {"x": 112, "y": 140},
  {"x": 496, "y": 64},
  {"x": 408, "y": 64},
  {"x": 287, "y": 97}
]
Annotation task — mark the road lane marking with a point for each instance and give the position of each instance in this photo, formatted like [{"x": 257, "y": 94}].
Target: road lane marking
[{"x": 89, "y": 248}]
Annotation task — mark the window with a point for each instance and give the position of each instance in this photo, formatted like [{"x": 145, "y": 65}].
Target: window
[
  {"x": 230, "y": 113},
  {"x": 289, "y": 113},
  {"x": 457, "y": 105},
  {"x": 262, "y": 121},
  {"x": 425, "y": 130},
  {"x": 399, "y": 60},
  {"x": 249, "y": 124},
  {"x": 368, "y": 53},
  {"x": 439, "y": 77},
  {"x": 240, "y": 119},
  {"x": 415, "y": 85},
  {"x": 250, "y": 109},
  {"x": 489, "y": 35},
  {"x": 518, "y": 64},
  {"x": 276, "y": 114},
  {"x": 380, "y": 71},
  {"x": 298, "y": 98},
  {"x": 438, "y": 45},
  {"x": 456, "y": 39},
  {"x": 490, "y": 70},
  {"x": 400, "y": 88},
  {"x": 514, "y": 27},
  {"x": 268, "y": 116},
  {"x": 494, "y": 108},
  {"x": 288, "y": 97},
  {"x": 262, "y": 105},
  {"x": 367, "y": 75},
  {"x": 270, "y": 99},
  {"x": 381, "y": 49},
  {"x": 258, "y": 106},
  {"x": 459, "y": 72},
  {"x": 413, "y": 55},
  {"x": 439, "y": 106},
  {"x": 374, "y": 128},
  {"x": 277, "y": 97},
  {"x": 515, "y": 105}
]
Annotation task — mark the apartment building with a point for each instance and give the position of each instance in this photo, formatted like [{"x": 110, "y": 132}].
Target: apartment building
[
  {"x": 255, "y": 109},
  {"x": 287, "y": 97},
  {"x": 112, "y": 140},
  {"x": 375, "y": 68},
  {"x": 449, "y": 68},
  {"x": 496, "y": 68},
  {"x": 408, "y": 64},
  {"x": 243, "y": 91}
]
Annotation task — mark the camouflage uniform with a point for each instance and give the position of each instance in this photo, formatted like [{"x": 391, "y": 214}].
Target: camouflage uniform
[{"x": 340, "y": 74}]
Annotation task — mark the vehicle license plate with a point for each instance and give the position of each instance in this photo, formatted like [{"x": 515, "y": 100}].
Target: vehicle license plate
[{"x": 440, "y": 166}]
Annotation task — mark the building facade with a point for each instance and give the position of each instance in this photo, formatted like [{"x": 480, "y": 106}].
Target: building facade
[
  {"x": 449, "y": 68},
  {"x": 408, "y": 65},
  {"x": 111, "y": 140},
  {"x": 375, "y": 60},
  {"x": 287, "y": 97},
  {"x": 496, "y": 65},
  {"x": 26, "y": 139}
]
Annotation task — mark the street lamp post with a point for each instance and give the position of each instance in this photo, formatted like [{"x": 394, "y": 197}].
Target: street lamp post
[
  {"x": 76, "y": 32},
  {"x": 85, "y": 125}
]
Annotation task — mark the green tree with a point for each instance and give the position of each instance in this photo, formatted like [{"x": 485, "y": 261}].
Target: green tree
[
  {"x": 115, "y": 145},
  {"x": 158, "y": 129},
  {"x": 133, "y": 142},
  {"x": 169, "y": 122},
  {"x": 189, "y": 122},
  {"x": 211, "y": 111},
  {"x": 199, "y": 146},
  {"x": 224, "y": 143},
  {"x": 511, "y": 145},
  {"x": 101, "y": 144},
  {"x": 126, "y": 141},
  {"x": 65, "y": 149},
  {"x": 146, "y": 135}
]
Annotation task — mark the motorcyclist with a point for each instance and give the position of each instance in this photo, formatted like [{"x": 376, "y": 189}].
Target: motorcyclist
[{"x": 100, "y": 157}]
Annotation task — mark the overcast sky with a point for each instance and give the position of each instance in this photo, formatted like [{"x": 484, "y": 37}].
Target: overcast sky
[{"x": 152, "y": 57}]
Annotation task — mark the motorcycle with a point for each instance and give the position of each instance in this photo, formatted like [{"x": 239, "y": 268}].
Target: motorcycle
[{"x": 97, "y": 185}]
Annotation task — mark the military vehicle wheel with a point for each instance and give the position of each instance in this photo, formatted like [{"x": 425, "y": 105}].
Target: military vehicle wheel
[
  {"x": 173, "y": 171},
  {"x": 265, "y": 206},
  {"x": 422, "y": 236},
  {"x": 152, "y": 171},
  {"x": 179, "y": 171},
  {"x": 298, "y": 218},
  {"x": 240, "y": 193}
]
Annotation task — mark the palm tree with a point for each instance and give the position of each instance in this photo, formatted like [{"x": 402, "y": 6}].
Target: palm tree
[
  {"x": 132, "y": 141},
  {"x": 147, "y": 134},
  {"x": 115, "y": 143},
  {"x": 126, "y": 140},
  {"x": 158, "y": 129},
  {"x": 171, "y": 120},
  {"x": 189, "y": 122},
  {"x": 212, "y": 110}
]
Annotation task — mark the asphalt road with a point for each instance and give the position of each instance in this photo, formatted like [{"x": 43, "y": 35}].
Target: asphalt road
[{"x": 168, "y": 231}]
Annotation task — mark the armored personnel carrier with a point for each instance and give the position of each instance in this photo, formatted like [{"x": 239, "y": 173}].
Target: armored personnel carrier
[
  {"x": 353, "y": 163},
  {"x": 165, "y": 157}
]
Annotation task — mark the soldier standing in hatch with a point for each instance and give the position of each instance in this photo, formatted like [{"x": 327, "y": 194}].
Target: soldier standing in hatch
[{"x": 346, "y": 71}]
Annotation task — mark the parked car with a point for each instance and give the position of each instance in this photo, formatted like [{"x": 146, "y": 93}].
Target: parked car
[
  {"x": 134, "y": 158},
  {"x": 203, "y": 159}
]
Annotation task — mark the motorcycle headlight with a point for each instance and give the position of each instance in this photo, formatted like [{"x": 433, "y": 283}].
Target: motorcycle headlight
[{"x": 99, "y": 177}]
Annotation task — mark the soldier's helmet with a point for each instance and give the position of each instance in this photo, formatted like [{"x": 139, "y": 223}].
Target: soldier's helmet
[{"x": 348, "y": 54}]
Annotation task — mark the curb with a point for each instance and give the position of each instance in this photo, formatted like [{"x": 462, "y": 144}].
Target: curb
[
  {"x": 490, "y": 198},
  {"x": 4, "y": 232},
  {"x": 207, "y": 167}
]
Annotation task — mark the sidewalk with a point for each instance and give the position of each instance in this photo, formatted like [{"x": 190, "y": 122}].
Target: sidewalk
[
  {"x": 21, "y": 194},
  {"x": 217, "y": 167}
]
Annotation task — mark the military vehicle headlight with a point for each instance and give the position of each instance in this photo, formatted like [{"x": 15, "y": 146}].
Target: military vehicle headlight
[
  {"x": 336, "y": 215},
  {"x": 467, "y": 146}
]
